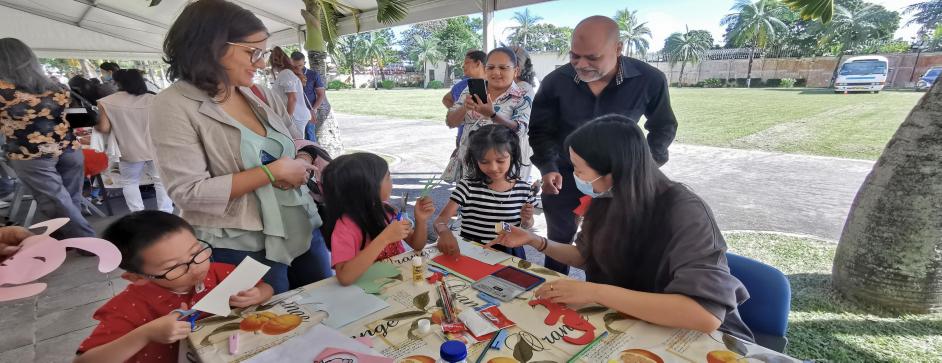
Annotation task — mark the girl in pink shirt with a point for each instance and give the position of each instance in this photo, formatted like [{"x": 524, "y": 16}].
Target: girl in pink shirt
[{"x": 361, "y": 227}]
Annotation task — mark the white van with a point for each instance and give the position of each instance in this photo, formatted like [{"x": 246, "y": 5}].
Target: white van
[{"x": 862, "y": 74}]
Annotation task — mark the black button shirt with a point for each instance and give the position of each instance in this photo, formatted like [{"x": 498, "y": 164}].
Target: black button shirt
[{"x": 564, "y": 103}]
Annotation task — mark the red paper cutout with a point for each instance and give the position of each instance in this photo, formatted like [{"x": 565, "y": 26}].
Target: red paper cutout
[
  {"x": 467, "y": 266},
  {"x": 570, "y": 317}
]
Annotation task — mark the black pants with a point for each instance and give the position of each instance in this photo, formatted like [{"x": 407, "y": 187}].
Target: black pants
[{"x": 560, "y": 220}]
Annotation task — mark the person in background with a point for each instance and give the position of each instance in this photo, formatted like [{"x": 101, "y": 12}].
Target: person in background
[
  {"x": 289, "y": 85},
  {"x": 473, "y": 67},
  {"x": 526, "y": 78},
  {"x": 315, "y": 93},
  {"x": 597, "y": 81},
  {"x": 108, "y": 85},
  {"x": 229, "y": 161},
  {"x": 40, "y": 145},
  {"x": 126, "y": 113}
]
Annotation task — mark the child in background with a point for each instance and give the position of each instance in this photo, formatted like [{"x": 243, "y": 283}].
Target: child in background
[
  {"x": 493, "y": 193},
  {"x": 361, "y": 227},
  {"x": 168, "y": 269}
]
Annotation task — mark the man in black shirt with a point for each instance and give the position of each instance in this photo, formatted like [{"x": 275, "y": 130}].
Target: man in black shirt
[{"x": 597, "y": 81}]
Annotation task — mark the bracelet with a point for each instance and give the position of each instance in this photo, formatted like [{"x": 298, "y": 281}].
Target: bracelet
[
  {"x": 271, "y": 177},
  {"x": 545, "y": 244}
]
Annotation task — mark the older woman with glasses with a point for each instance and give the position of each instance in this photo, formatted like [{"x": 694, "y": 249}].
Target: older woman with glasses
[
  {"x": 507, "y": 104},
  {"x": 229, "y": 160}
]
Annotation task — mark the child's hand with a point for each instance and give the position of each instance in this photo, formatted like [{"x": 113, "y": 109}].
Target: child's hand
[
  {"x": 248, "y": 297},
  {"x": 167, "y": 329},
  {"x": 526, "y": 215},
  {"x": 395, "y": 232},
  {"x": 424, "y": 208},
  {"x": 447, "y": 244}
]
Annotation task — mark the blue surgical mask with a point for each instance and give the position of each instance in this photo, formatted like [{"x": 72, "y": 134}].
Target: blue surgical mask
[
  {"x": 586, "y": 186},
  {"x": 106, "y": 78}
]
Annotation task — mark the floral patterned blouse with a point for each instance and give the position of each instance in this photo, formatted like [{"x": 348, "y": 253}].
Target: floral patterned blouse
[{"x": 34, "y": 124}]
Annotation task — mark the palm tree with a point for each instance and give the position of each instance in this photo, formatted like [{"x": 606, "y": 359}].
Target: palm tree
[
  {"x": 427, "y": 52},
  {"x": 686, "y": 47},
  {"x": 348, "y": 53},
  {"x": 850, "y": 29},
  {"x": 927, "y": 13},
  {"x": 889, "y": 252},
  {"x": 813, "y": 9},
  {"x": 755, "y": 25},
  {"x": 526, "y": 21},
  {"x": 321, "y": 16},
  {"x": 375, "y": 50},
  {"x": 632, "y": 33}
]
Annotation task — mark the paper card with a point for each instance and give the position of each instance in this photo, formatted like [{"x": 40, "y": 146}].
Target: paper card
[
  {"x": 244, "y": 277},
  {"x": 378, "y": 275},
  {"x": 343, "y": 304},
  {"x": 331, "y": 355},
  {"x": 478, "y": 252},
  {"x": 310, "y": 344},
  {"x": 466, "y": 266}
]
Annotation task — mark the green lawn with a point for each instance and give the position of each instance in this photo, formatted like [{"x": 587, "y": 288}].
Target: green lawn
[
  {"x": 806, "y": 121},
  {"x": 825, "y": 326}
]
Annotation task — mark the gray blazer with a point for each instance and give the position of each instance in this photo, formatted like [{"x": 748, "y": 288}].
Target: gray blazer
[{"x": 198, "y": 150}]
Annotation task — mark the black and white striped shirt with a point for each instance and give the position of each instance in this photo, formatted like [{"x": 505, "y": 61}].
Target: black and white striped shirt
[{"x": 482, "y": 207}]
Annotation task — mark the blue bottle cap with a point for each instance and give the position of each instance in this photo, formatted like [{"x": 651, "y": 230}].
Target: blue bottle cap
[{"x": 453, "y": 351}]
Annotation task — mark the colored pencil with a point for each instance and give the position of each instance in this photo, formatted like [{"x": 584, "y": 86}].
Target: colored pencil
[
  {"x": 587, "y": 347},
  {"x": 488, "y": 346}
]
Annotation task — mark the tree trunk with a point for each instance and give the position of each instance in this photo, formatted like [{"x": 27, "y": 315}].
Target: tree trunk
[
  {"x": 890, "y": 252},
  {"x": 680, "y": 80},
  {"x": 425, "y": 73},
  {"x": 382, "y": 72},
  {"x": 752, "y": 53},
  {"x": 837, "y": 67},
  {"x": 373, "y": 73}
]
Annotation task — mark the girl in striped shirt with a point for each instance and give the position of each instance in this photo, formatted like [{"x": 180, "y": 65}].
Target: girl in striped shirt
[{"x": 493, "y": 192}]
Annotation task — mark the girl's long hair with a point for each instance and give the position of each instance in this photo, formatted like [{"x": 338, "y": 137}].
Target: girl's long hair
[
  {"x": 351, "y": 186},
  {"x": 495, "y": 137}
]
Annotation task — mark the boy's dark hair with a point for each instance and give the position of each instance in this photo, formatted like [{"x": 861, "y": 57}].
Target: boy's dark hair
[
  {"x": 492, "y": 137},
  {"x": 139, "y": 230},
  {"x": 296, "y": 55},
  {"x": 110, "y": 66},
  {"x": 130, "y": 81},
  {"x": 477, "y": 56},
  {"x": 351, "y": 186}
]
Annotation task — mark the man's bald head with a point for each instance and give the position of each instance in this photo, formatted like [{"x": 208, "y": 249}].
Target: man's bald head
[{"x": 595, "y": 48}]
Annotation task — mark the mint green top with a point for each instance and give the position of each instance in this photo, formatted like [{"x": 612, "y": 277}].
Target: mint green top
[{"x": 288, "y": 216}]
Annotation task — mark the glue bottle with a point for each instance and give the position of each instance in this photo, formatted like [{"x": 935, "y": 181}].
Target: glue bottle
[
  {"x": 418, "y": 269},
  {"x": 453, "y": 351}
]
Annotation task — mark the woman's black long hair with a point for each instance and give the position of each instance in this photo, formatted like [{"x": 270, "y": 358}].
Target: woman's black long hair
[
  {"x": 492, "y": 137},
  {"x": 351, "y": 186},
  {"x": 130, "y": 81},
  {"x": 616, "y": 228},
  {"x": 196, "y": 42}
]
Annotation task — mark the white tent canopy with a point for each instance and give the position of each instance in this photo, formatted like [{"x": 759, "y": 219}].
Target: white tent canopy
[{"x": 129, "y": 29}]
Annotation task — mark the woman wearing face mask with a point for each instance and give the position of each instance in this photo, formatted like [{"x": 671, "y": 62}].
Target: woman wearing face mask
[
  {"x": 650, "y": 247},
  {"x": 228, "y": 160},
  {"x": 507, "y": 104}
]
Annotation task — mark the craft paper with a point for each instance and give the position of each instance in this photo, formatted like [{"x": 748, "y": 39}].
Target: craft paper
[
  {"x": 480, "y": 253},
  {"x": 244, "y": 277},
  {"x": 343, "y": 304},
  {"x": 378, "y": 275},
  {"x": 41, "y": 254},
  {"x": 331, "y": 355},
  {"x": 466, "y": 266},
  {"x": 305, "y": 347}
]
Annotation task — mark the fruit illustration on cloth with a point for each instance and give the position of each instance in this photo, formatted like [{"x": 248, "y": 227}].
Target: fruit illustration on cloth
[
  {"x": 502, "y": 360},
  {"x": 418, "y": 359},
  {"x": 721, "y": 356},
  {"x": 639, "y": 356},
  {"x": 437, "y": 316},
  {"x": 269, "y": 323}
]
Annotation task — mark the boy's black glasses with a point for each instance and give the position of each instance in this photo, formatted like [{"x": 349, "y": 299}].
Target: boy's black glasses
[{"x": 177, "y": 271}]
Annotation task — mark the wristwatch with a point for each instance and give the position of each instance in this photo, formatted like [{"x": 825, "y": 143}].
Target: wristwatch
[{"x": 441, "y": 227}]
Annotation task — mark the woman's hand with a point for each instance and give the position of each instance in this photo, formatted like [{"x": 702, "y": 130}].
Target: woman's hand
[
  {"x": 516, "y": 238},
  {"x": 447, "y": 244},
  {"x": 473, "y": 103},
  {"x": 395, "y": 232},
  {"x": 526, "y": 215},
  {"x": 566, "y": 291},
  {"x": 290, "y": 173},
  {"x": 424, "y": 208}
]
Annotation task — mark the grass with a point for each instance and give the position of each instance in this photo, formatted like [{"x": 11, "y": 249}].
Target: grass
[
  {"x": 797, "y": 120},
  {"x": 825, "y": 326}
]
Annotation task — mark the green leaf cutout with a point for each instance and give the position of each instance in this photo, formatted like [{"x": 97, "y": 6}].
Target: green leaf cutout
[
  {"x": 523, "y": 351},
  {"x": 420, "y": 301},
  {"x": 404, "y": 315}
]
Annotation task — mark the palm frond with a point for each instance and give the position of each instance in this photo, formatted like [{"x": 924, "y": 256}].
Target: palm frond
[
  {"x": 389, "y": 11},
  {"x": 813, "y": 9}
]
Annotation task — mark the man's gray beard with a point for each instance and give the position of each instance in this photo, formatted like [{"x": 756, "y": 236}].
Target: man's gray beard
[{"x": 596, "y": 78}]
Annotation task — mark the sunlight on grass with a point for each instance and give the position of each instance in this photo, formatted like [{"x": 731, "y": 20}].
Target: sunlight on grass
[{"x": 825, "y": 326}]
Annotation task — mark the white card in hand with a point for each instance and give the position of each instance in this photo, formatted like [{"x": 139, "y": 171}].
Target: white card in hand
[{"x": 244, "y": 277}]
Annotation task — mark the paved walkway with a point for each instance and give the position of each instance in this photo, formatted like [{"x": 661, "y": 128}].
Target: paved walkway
[{"x": 747, "y": 190}]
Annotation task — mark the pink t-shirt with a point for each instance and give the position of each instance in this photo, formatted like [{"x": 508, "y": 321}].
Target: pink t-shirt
[{"x": 347, "y": 238}]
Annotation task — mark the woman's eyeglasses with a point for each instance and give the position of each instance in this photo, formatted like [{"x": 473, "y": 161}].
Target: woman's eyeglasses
[
  {"x": 491, "y": 67},
  {"x": 258, "y": 54},
  {"x": 179, "y": 270}
]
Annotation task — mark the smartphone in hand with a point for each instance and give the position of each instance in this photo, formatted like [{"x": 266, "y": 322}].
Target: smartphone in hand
[{"x": 478, "y": 87}]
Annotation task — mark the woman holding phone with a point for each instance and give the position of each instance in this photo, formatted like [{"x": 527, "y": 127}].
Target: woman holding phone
[
  {"x": 506, "y": 104},
  {"x": 650, "y": 247}
]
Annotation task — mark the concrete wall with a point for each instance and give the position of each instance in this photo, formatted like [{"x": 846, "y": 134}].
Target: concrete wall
[
  {"x": 816, "y": 70},
  {"x": 367, "y": 79}
]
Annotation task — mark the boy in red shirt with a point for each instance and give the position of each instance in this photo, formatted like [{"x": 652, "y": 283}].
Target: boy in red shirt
[{"x": 168, "y": 269}]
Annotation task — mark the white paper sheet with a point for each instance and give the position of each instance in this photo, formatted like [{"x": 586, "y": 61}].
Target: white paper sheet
[
  {"x": 482, "y": 254},
  {"x": 343, "y": 304},
  {"x": 307, "y": 346},
  {"x": 244, "y": 277}
]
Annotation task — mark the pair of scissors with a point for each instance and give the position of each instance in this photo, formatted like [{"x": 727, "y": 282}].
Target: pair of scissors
[{"x": 190, "y": 315}]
